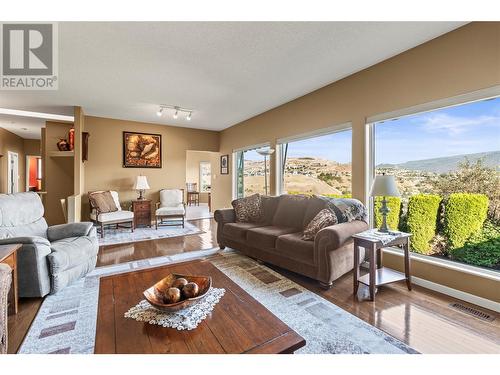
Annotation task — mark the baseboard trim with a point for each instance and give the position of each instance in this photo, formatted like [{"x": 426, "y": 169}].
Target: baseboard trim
[{"x": 464, "y": 296}]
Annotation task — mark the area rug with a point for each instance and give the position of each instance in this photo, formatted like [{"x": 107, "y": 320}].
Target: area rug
[
  {"x": 66, "y": 321},
  {"x": 121, "y": 235}
]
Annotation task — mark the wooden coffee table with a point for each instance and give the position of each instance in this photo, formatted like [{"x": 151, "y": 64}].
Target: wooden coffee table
[{"x": 238, "y": 323}]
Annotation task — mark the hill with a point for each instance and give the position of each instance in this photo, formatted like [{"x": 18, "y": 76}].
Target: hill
[{"x": 447, "y": 164}]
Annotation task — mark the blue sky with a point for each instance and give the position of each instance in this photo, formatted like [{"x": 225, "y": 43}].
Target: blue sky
[{"x": 465, "y": 129}]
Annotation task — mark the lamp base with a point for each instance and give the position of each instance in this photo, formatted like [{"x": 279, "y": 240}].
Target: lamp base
[{"x": 141, "y": 195}]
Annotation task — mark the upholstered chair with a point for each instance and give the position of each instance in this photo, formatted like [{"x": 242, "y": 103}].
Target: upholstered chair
[
  {"x": 5, "y": 281},
  {"x": 170, "y": 210},
  {"x": 50, "y": 257},
  {"x": 117, "y": 218}
]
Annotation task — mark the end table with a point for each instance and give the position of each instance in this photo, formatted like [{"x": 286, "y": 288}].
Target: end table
[
  {"x": 379, "y": 275},
  {"x": 8, "y": 255},
  {"x": 142, "y": 212}
]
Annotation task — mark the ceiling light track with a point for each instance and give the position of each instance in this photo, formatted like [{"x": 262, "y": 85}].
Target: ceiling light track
[{"x": 177, "y": 110}]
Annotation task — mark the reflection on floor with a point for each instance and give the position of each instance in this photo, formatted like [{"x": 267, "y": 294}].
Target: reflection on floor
[{"x": 198, "y": 212}]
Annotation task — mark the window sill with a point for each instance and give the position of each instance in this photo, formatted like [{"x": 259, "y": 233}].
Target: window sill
[{"x": 465, "y": 268}]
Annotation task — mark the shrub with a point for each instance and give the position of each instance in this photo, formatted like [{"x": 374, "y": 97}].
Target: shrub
[
  {"x": 421, "y": 221},
  {"x": 464, "y": 215},
  {"x": 482, "y": 249},
  {"x": 394, "y": 205}
]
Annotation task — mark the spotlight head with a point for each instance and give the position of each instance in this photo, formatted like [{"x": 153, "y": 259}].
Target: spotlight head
[
  {"x": 189, "y": 116},
  {"x": 159, "y": 112},
  {"x": 176, "y": 114}
]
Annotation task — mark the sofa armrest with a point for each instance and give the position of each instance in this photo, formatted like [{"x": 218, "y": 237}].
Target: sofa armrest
[
  {"x": 58, "y": 232},
  {"x": 35, "y": 240},
  {"x": 224, "y": 216},
  {"x": 335, "y": 236}
]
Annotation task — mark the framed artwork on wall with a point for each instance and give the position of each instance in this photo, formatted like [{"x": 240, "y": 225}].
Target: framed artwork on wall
[
  {"x": 224, "y": 164},
  {"x": 141, "y": 150}
]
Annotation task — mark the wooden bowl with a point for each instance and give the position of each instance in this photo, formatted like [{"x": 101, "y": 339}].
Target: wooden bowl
[{"x": 204, "y": 284}]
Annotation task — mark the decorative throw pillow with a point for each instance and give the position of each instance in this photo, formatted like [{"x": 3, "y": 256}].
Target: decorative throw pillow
[
  {"x": 347, "y": 209},
  {"x": 323, "y": 219},
  {"x": 103, "y": 201},
  {"x": 248, "y": 209}
]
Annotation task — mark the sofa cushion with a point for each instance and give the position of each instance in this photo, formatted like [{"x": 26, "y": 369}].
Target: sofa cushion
[
  {"x": 269, "y": 206},
  {"x": 294, "y": 247},
  {"x": 175, "y": 210},
  {"x": 314, "y": 206},
  {"x": 324, "y": 218},
  {"x": 248, "y": 209},
  {"x": 264, "y": 238},
  {"x": 113, "y": 216},
  {"x": 290, "y": 211},
  {"x": 238, "y": 231},
  {"x": 71, "y": 252}
]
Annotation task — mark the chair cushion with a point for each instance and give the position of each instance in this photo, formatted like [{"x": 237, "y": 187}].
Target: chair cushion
[
  {"x": 103, "y": 201},
  {"x": 71, "y": 252},
  {"x": 292, "y": 246},
  {"x": 248, "y": 209},
  {"x": 176, "y": 210},
  {"x": 113, "y": 216},
  {"x": 238, "y": 231},
  {"x": 323, "y": 219},
  {"x": 290, "y": 211},
  {"x": 171, "y": 197},
  {"x": 264, "y": 238}
]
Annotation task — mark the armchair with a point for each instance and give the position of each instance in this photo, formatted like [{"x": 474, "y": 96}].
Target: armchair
[
  {"x": 117, "y": 217},
  {"x": 170, "y": 206},
  {"x": 51, "y": 257}
]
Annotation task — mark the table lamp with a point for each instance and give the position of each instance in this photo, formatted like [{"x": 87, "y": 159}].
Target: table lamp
[
  {"x": 384, "y": 186},
  {"x": 141, "y": 184}
]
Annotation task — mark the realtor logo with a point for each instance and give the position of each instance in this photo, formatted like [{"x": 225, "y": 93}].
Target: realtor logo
[{"x": 28, "y": 56}]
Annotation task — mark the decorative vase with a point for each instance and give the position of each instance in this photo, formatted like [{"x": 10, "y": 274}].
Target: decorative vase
[
  {"x": 71, "y": 138},
  {"x": 63, "y": 145}
]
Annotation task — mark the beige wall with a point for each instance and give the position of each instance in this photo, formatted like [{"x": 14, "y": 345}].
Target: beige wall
[
  {"x": 104, "y": 168},
  {"x": 193, "y": 159},
  {"x": 32, "y": 147},
  {"x": 462, "y": 61},
  {"x": 11, "y": 142}
]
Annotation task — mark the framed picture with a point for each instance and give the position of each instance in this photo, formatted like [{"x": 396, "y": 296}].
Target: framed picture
[
  {"x": 141, "y": 150},
  {"x": 224, "y": 164}
]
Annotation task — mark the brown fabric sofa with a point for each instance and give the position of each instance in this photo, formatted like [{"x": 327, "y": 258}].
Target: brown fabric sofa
[{"x": 277, "y": 238}]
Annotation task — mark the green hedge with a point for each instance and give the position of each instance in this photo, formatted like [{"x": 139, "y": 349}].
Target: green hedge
[
  {"x": 394, "y": 204},
  {"x": 422, "y": 221},
  {"x": 482, "y": 249},
  {"x": 464, "y": 216}
]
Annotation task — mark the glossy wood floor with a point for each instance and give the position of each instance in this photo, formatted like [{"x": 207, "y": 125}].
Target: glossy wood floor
[{"x": 421, "y": 318}]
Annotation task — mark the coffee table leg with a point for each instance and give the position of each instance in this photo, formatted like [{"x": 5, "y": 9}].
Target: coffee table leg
[
  {"x": 407, "y": 264},
  {"x": 356, "y": 268},
  {"x": 373, "y": 270}
]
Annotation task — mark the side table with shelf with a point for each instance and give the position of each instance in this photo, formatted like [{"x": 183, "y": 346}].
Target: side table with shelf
[{"x": 377, "y": 274}]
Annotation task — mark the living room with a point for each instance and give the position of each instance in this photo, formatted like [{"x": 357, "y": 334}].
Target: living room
[{"x": 210, "y": 193}]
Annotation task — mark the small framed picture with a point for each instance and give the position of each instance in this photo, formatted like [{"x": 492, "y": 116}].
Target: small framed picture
[{"x": 224, "y": 164}]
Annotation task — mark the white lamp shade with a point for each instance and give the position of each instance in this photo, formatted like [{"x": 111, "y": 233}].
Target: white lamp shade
[
  {"x": 141, "y": 183},
  {"x": 384, "y": 185}
]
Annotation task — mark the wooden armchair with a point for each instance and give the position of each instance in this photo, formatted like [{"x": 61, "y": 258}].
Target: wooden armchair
[
  {"x": 118, "y": 217},
  {"x": 170, "y": 207}
]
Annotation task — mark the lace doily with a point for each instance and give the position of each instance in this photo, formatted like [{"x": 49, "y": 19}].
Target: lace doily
[{"x": 186, "y": 319}]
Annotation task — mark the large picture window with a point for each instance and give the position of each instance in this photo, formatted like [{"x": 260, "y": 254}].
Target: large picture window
[
  {"x": 317, "y": 164},
  {"x": 249, "y": 172},
  {"x": 447, "y": 166}
]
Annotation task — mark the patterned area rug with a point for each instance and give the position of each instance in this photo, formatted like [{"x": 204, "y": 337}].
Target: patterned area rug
[
  {"x": 66, "y": 321},
  {"x": 122, "y": 235}
]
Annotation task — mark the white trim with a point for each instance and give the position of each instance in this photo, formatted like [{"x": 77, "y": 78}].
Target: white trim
[
  {"x": 234, "y": 156},
  {"x": 252, "y": 147},
  {"x": 316, "y": 133},
  {"x": 46, "y": 116},
  {"x": 473, "y": 96},
  {"x": 279, "y": 173},
  {"x": 467, "y": 297}
]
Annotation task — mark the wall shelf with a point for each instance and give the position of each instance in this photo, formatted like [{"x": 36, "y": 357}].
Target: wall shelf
[{"x": 61, "y": 154}]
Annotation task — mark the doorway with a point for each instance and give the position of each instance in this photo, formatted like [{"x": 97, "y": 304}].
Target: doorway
[
  {"x": 33, "y": 173},
  {"x": 13, "y": 172}
]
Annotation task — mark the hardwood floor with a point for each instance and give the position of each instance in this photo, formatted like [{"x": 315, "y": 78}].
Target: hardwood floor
[{"x": 421, "y": 318}]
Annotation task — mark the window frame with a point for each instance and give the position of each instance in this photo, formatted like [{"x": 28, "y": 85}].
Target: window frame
[{"x": 234, "y": 156}]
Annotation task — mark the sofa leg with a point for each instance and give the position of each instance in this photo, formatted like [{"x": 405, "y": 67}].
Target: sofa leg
[
  {"x": 102, "y": 230},
  {"x": 325, "y": 286},
  {"x": 221, "y": 247}
]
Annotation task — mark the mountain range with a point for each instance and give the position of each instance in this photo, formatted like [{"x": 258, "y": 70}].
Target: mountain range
[{"x": 449, "y": 163}]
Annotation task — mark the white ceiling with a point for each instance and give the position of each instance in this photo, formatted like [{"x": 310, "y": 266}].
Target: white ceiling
[
  {"x": 226, "y": 71},
  {"x": 25, "y": 127}
]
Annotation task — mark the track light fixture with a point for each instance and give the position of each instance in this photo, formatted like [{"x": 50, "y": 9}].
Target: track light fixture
[{"x": 176, "y": 110}]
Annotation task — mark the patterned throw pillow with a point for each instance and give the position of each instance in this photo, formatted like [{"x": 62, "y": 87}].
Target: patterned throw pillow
[
  {"x": 347, "y": 209},
  {"x": 323, "y": 219},
  {"x": 248, "y": 209},
  {"x": 103, "y": 201}
]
